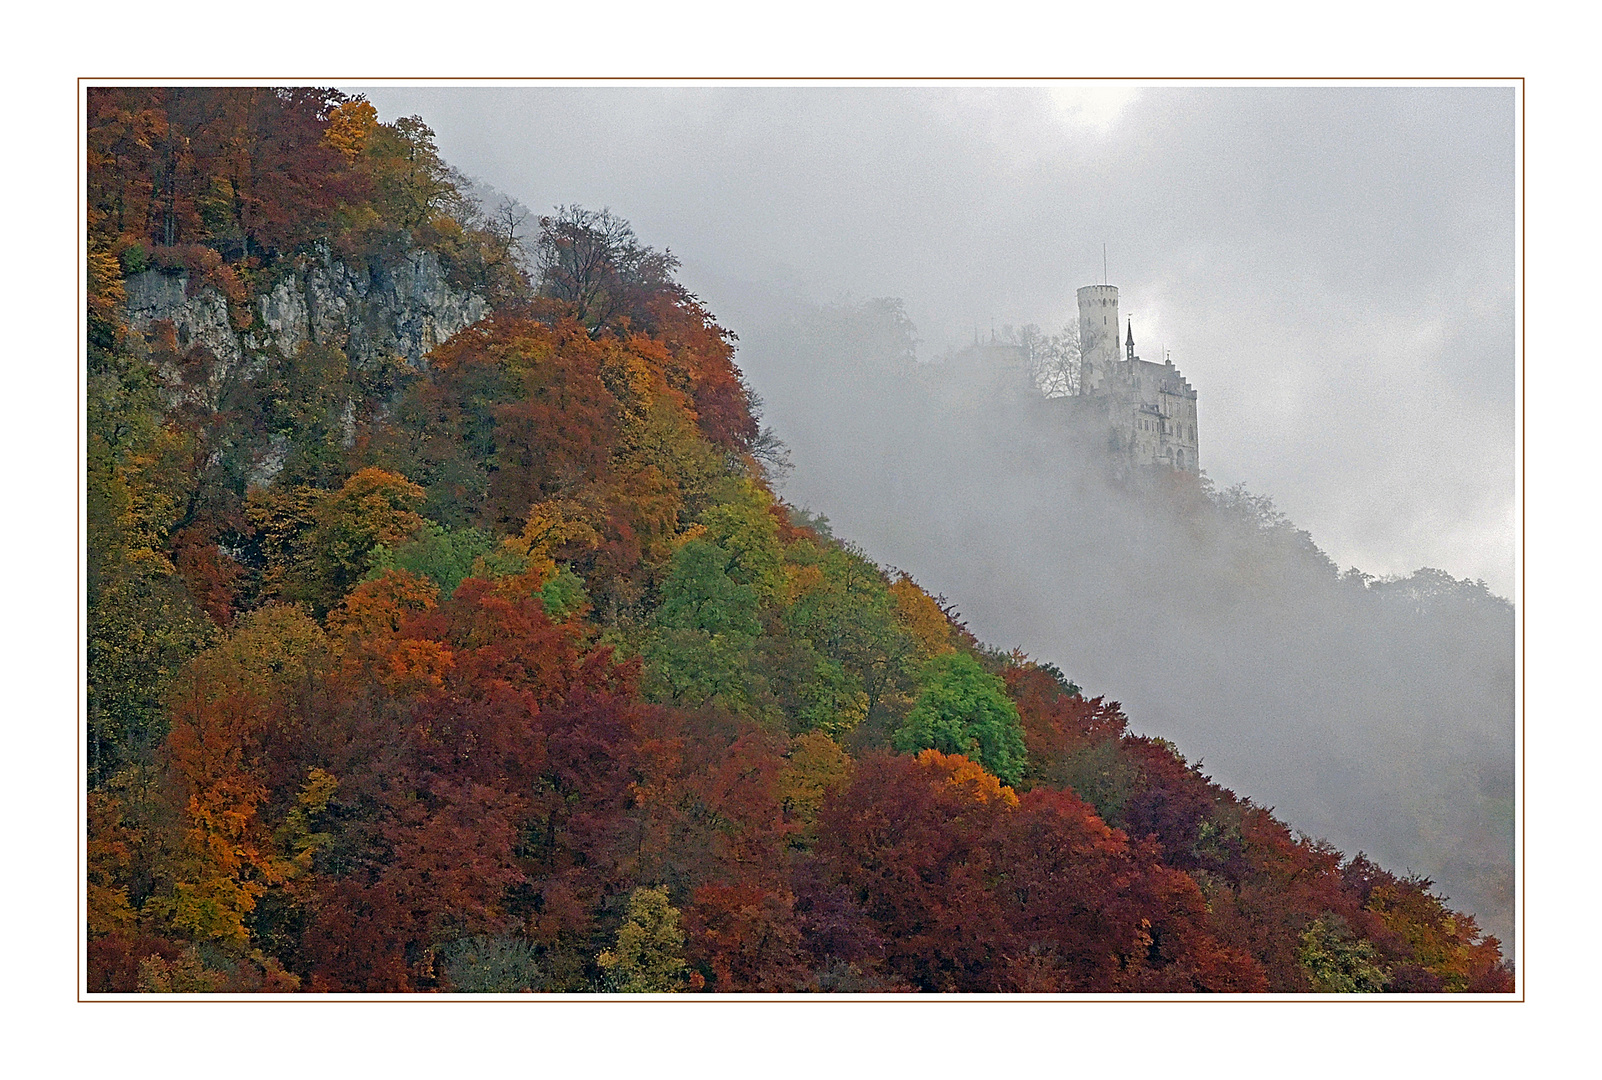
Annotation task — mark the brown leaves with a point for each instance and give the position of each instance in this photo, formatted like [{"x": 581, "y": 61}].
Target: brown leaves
[
  {"x": 975, "y": 889},
  {"x": 1056, "y": 722}
]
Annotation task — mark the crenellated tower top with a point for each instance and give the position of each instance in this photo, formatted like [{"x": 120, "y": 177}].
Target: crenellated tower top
[{"x": 1098, "y": 335}]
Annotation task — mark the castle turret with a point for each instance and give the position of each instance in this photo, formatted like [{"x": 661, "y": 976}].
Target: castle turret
[
  {"x": 1130, "y": 344},
  {"x": 1098, "y": 335}
]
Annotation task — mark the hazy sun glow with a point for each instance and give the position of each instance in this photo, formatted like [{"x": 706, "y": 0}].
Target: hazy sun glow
[{"x": 1095, "y": 104}]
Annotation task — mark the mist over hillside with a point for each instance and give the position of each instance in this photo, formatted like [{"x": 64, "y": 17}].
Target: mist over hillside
[
  {"x": 1375, "y": 714},
  {"x": 1334, "y": 270},
  {"x": 1333, "y": 266},
  {"x": 445, "y": 630}
]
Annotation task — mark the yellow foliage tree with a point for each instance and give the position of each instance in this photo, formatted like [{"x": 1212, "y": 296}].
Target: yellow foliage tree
[
  {"x": 350, "y": 127},
  {"x": 377, "y": 608},
  {"x": 816, "y": 766},
  {"x": 649, "y": 955},
  {"x": 920, "y": 616},
  {"x": 968, "y": 777}
]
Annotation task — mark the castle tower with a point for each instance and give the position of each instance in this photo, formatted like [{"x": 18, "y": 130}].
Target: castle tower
[
  {"x": 1149, "y": 408},
  {"x": 1098, "y": 335}
]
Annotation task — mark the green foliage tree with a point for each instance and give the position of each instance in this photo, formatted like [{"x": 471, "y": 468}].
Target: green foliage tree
[
  {"x": 742, "y": 526},
  {"x": 143, "y": 627},
  {"x": 831, "y": 701},
  {"x": 690, "y": 667},
  {"x": 301, "y": 400},
  {"x": 445, "y": 556},
  {"x": 649, "y": 955},
  {"x": 700, "y": 647},
  {"x": 563, "y": 594},
  {"x": 1101, "y": 774},
  {"x": 700, "y": 594},
  {"x": 963, "y": 709},
  {"x": 143, "y": 621},
  {"x": 842, "y": 605},
  {"x": 1337, "y": 961}
]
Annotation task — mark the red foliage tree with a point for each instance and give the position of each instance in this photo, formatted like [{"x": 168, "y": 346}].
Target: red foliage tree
[
  {"x": 975, "y": 890},
  {"x": 1056, "y": 722}
]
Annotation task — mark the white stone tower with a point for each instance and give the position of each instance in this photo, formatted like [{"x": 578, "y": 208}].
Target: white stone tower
[
  {"x": 1150, "y": 408},
  {"x": 1098, "y": 336}
]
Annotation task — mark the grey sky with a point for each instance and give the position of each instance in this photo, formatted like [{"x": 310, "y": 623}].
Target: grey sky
[{"x": 1332, "y": 268}]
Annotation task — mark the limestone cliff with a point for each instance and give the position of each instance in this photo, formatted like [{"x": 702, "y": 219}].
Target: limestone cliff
[
  {"x": 374, "y": 315},
  {"x": 402, "y": 310}
]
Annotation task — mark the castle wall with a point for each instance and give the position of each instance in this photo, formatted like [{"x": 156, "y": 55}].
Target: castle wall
[
  {"x": 1161, "y": 409},
  {"x": 1148, "y": 410}
]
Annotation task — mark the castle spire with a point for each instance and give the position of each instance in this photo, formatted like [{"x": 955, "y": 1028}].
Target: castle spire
[{"x": 1129, "y": 345}]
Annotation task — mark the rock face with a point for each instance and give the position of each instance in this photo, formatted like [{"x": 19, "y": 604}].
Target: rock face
[
  {"x": 198, "y": 320},
  {"x": 403, "y": 310}
]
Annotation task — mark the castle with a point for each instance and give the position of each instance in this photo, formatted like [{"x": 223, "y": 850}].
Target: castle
[{"x": 1149, "y": 408}]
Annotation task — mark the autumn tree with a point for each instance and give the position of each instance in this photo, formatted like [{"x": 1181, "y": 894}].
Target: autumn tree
[
  {"x": 592, "y": 261},
  {"x": 1339, "y": 962},
  {"x": 649, "y": 955},
  {"x": 976, "y": 889},
  {"x": 963, "y": 709},
  {"x": 317, "y": 544}
]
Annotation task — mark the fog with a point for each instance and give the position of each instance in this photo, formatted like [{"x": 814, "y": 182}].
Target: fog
[
  {"x": 1376, "y": 716},
  {"x": 1332, "y": 269}
]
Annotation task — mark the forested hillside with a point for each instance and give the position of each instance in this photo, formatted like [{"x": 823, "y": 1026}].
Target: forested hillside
[
  {"x": 1377, "y": 713},
  {"x": 501, "y": 668}
]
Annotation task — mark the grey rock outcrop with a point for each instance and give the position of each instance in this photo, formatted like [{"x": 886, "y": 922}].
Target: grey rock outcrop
[
  {"x": 402, "y": 310},
  {"x": 201, "y": 319},
  {"x": 374, "y": 314}
]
